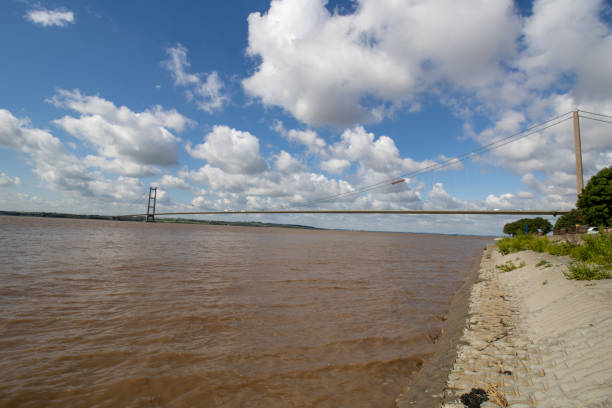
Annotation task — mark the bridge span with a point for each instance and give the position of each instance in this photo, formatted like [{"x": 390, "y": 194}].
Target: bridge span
[{"x": 391, "y": 212}]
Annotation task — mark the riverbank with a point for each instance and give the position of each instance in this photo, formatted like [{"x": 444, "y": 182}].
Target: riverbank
[
  {"x": 427, "y": 386},
  {"x": 533, "y": 337}
]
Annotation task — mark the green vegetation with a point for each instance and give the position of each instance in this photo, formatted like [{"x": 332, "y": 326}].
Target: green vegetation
[
  {"x": 509, "y": 266},
  {"x": 587, "y": 271},
  {"x": 521, "y": 242},
  {"x": 529, "y": 225},
  {"x": 592, "y": 259},
  {"x": 543, "y": 263},
  {"x": 595, "y": 202},
  {"x": 571, "y": 219}
]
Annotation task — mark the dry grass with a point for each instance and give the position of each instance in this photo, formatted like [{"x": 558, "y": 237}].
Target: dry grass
[{"x": 496, "y": 396}]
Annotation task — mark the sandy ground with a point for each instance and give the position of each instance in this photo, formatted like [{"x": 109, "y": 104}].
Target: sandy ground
[{"x": 540, "y": 339}]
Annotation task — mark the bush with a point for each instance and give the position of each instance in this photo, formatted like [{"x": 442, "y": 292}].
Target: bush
[
  {"x": 587, "y": 271},
  {"x": 532, "y": 225},
  {"x": 595, "y": 202},
  {"x": 521, "y": 242},
  {"x": 598, "y": 249},
  {"x": 560, "y": 248},
  {"x": 593, "y": 259}
]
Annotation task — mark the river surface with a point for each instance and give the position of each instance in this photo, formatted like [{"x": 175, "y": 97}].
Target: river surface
[{"x": 125, "y": 314}]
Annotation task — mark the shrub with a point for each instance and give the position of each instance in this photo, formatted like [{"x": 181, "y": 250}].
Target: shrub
[
  {"x": 595, "y": 202},
  {"x": 521, "y": 242},
  {"x": 595, "y": 249},
  {"x": 530, "y": 224},
  {"x": 593, "y": 259},
  {"x": 587, "y": 271},
  {"x": 560, "y": 248}
]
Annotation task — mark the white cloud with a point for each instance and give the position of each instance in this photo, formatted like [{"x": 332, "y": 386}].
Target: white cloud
[
  {"x": 53, "y": 164},
  {"x": 169, "y": 181},
  {"x": 439, "y": 199},
  {"x": 127, "y": 142},
  {"x": 60, "y": 170},
  {"x": 320, "y": 66},
  {"x": 308, "y": 138},
  {"x": 121, "y": 166},
  {"x": 49, "y": 18},
  {"x": 380, "y": 154},
  {"x": 481, "y": 58},
  {"x": 285, "y": 163},
  {"x": 6, "y": 181},
  {"x": 231, "y": 150},
  {"x": 207, "y": 93},
  {"x": 335, "y": 166}
]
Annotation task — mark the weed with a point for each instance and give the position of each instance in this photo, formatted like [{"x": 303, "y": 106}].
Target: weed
[
  {"x": 545, "y": 282},
  {"x": 509, "y": 266},
  {"x": 587, "y": 271},
  {"x": 544, "y": 263}
]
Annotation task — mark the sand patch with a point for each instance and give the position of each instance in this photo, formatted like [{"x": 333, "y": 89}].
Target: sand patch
[{"x": 541, "y": 339}]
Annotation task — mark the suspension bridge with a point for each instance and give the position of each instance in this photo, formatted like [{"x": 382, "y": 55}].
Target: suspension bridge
[{"x": 151, "y": 213}]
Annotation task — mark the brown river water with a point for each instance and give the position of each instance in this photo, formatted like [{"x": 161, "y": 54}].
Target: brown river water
[{"x": 126, "y": 314}]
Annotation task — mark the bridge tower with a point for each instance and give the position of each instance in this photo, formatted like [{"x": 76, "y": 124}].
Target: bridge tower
[
  {"x": 151, "y": 207},
  {"x": 578, "y": 151}
]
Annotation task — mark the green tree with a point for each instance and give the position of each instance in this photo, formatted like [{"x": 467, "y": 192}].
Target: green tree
[
  {"x": 569, "y": 220},
  {"x": 532, "y": 224},
  {"x": 595, "y": 202}
]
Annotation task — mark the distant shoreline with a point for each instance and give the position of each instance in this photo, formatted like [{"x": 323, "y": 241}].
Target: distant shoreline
[{"x": 141, "y": 218}]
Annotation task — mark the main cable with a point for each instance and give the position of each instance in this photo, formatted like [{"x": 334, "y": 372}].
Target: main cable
[
  {"x": 598, "y": 120},
  {"x": 596, "y": 114}
]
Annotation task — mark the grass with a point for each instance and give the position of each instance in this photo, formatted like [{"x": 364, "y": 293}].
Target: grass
[
  {"x": 591, "y": 260},
  {"x": 509, "y": 266},
  {"x": 543, "y": 263},
  {"x": 587, "y": 271}
]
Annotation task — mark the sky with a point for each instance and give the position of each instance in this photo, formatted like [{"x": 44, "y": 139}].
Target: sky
[{"x": 300, "y": 104}]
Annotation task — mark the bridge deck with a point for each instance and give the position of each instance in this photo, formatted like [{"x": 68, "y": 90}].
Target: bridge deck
[{"x": 414, "y": 212}]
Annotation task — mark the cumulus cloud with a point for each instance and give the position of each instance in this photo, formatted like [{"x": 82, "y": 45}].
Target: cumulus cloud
[
  {"x": 308, "y": 138},
  {"x": 335, "y": 166},
  {"x": 169, "y": 181},
  {"x": 440, "y": 199},
  {"x": 236, "y": 175},
  {"x": 50, "y": 18},
  {"x": 61, "y": 170},
  {"x": 231, "y": 150},
  {"x": 129, "y": 143},
  {"x": 286, "y": 163},
  {"x": 484, "y": 60},
  {"x": 379, "y": 155},
  {"x": 205, "y": 89},
  {"x": 6, "y": 181},
  {"x": 322, "y": 67},
  {"x": 53, "y": 164}
]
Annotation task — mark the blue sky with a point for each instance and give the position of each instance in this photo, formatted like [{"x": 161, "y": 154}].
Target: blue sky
[{"x": 273, "y": 104}]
